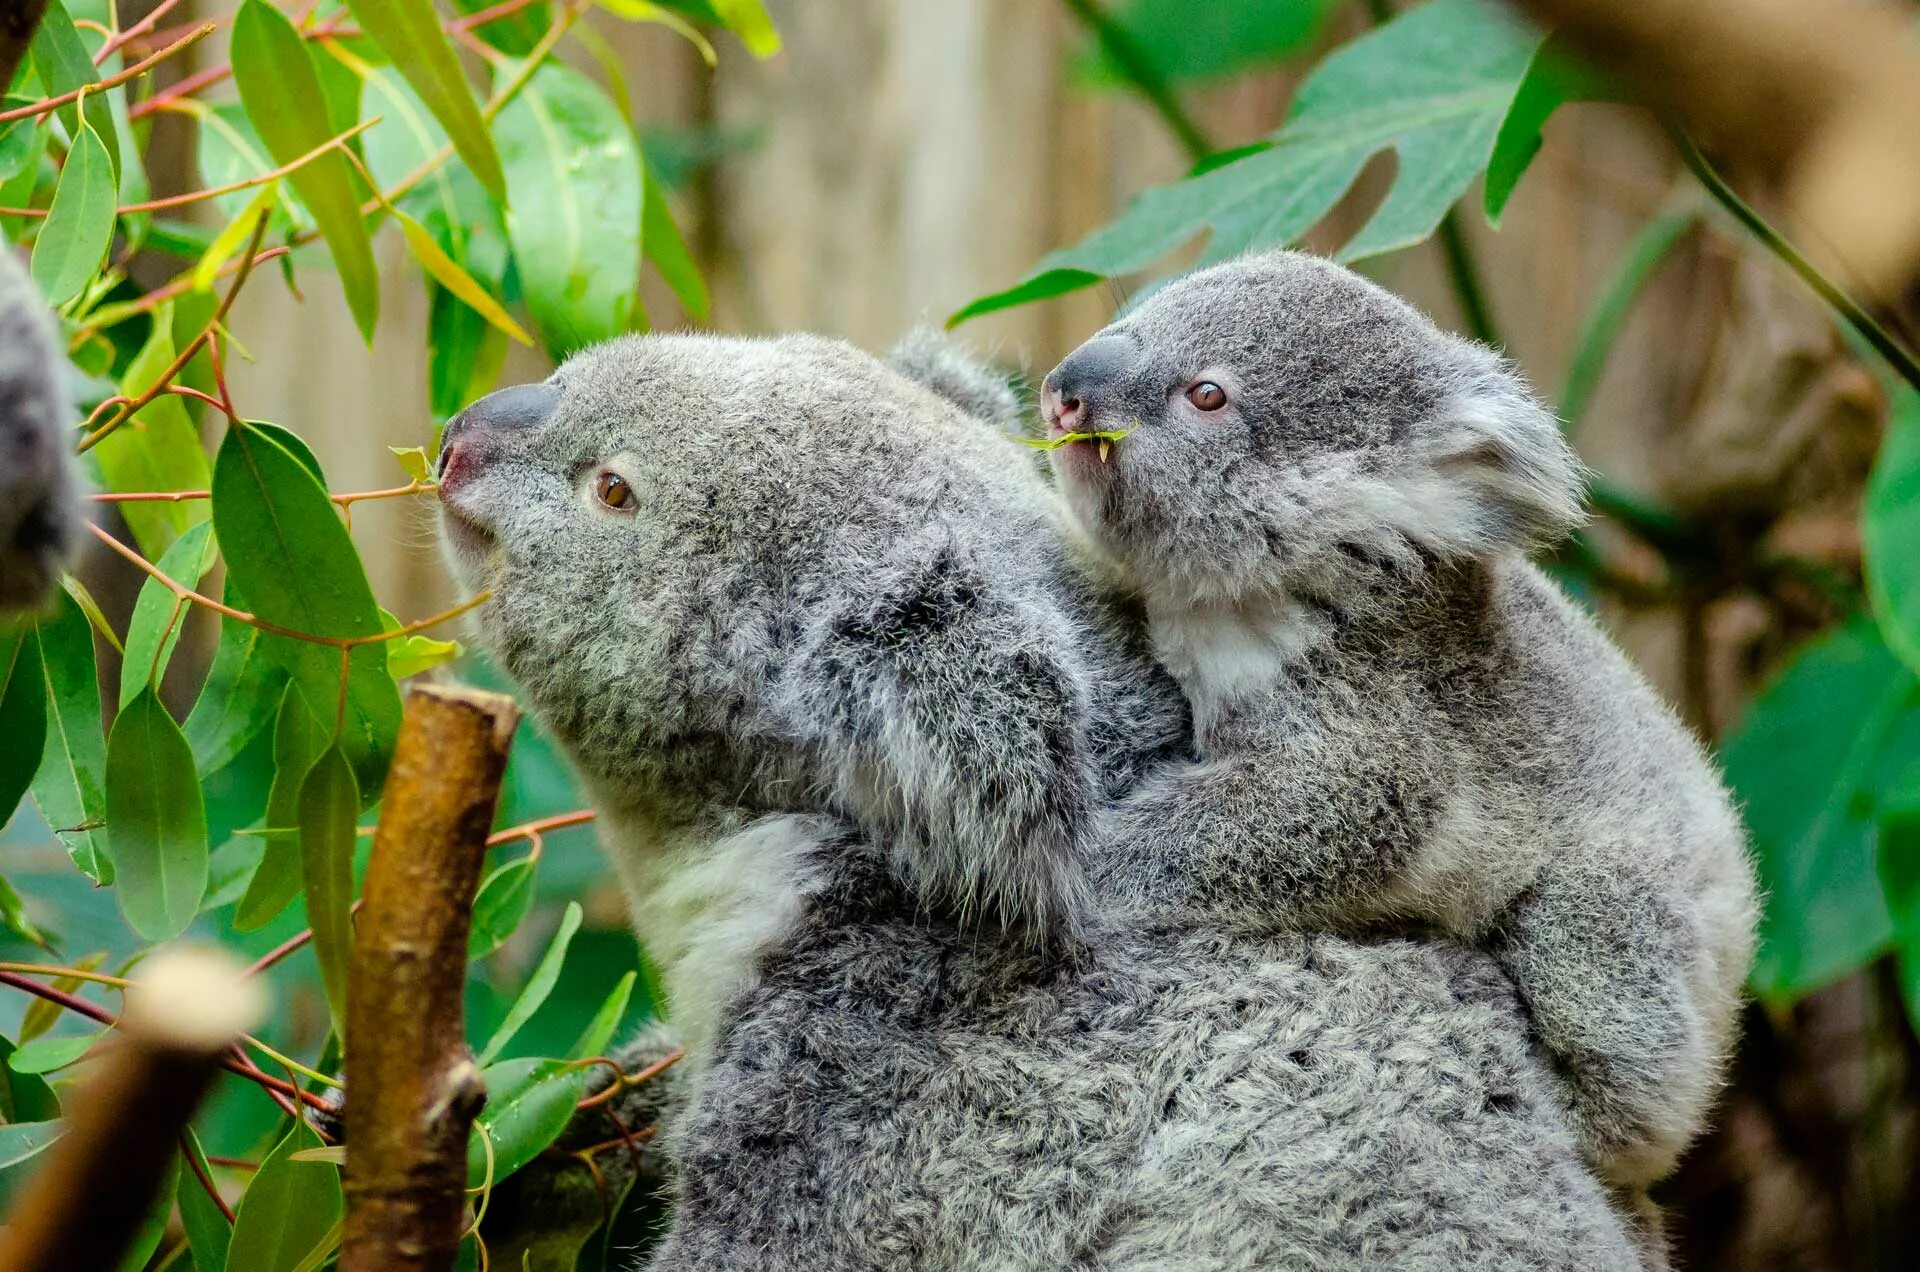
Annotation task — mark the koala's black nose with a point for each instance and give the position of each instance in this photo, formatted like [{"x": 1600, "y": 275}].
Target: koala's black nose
[
  {"x": 1095, "y": 365},
  {"x": 523, "y": 406}
]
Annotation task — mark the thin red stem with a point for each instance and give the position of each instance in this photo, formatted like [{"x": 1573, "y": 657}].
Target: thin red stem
[
  {"x": 206, "y": 1180},
  {"x": 48, "y": 104}
]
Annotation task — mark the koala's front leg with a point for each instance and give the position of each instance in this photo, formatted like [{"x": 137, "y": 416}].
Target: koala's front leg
[{"x": 1605, "y": 961}]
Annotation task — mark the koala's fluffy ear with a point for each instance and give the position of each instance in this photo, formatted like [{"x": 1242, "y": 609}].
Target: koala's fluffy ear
[
  {"x": 940, "y": 363},
  {"x": 950, "y": 716},
  {"x": 1510, "y": 478}
]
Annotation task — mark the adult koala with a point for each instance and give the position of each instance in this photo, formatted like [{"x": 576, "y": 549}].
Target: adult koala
[{"x": 845, "y": 696}]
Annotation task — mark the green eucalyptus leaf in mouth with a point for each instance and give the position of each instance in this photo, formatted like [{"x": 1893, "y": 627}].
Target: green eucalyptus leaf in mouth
[{"x": 1106, "y": 439}]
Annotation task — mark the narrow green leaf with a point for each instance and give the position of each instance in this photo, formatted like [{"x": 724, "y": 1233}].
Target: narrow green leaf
[
  {"x": 24, "y": 1097},
  {"x": 288, "y": 1210},
  {"x": 297, "y": 741},
  {"x": 449, "y": 275},
  {"x": 413, "y": 462},
  {"x": 329, "y": 805},
  {"x": 234, "y": 235},
  {"x": 465, "y": 355},
  {"x": 78, "y": 230},
  {"x": 504, "y": 900},
  {"x": 70, "y": 784},
  {"x": 13, "y": 914},
  {"x": 156, "y": 820},
  {"x": 23, "y": 713},
  {"x": 529, "y": 1102},
  {"x": 20, "y": 141},
  {"x": 1555, "y": 77},
  {"x": 538, "y": 986},
  {"x": 288, "y": 551},
  {"x": 158, "y": 449},
  {"x": 61, "y": 59},
  {"x": 208, "y": 1232},
  {"x": 21, "y": 1140},
  {"x": 748, "y": 19},
  {"x": 1806, "y": 762},
  {"x": 576, "y": 186},
  {"x": 411, "y": 655},
  {"x": 281, "y": 91},
  {"x": 1899, "y": 864},
  {"x": 663, "y": 244},
  {"x": 48, "y": 1055},
  {"x": 1187, "y": 41},
  {"x": 158, "y": 616},
  {"x": 409, "y": 31},
  {"x": 1042, "y": 284},
  {"x": 242, "y": 689},
  {"x": 599, "y": 1031},
  {"x": 1890, "y": 529}
]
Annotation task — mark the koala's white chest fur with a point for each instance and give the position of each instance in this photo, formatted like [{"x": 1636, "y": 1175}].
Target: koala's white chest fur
[
  {"x": 1222, "y": 654},
  {"x": 707, "y": 905}
]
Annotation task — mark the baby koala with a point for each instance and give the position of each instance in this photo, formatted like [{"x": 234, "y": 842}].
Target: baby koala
[{"x": 1325, "y": 505}]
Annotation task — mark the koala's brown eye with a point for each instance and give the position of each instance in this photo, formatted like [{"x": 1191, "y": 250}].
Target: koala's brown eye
[
  {"x": 614, "y": 491},
  {"x": 1207, "y": 395}
]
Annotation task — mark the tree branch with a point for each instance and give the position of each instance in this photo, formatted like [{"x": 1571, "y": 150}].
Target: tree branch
[
  {"x": 414, "y": 1088},
  {"x": 81, "y": 1209}
]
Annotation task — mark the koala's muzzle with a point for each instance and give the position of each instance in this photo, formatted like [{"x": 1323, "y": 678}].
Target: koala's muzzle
[
  {"x": 1085, "y": 380},
  {"x": 473, "y": 436}
]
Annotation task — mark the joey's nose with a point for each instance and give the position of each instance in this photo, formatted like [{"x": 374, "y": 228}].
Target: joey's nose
[
  {"x": 470, "y": 435},
  {"x": 1073, "y": 390}
]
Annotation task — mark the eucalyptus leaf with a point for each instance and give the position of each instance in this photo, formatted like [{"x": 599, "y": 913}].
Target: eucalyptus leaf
[
  {"x": 297, "y": 742},
  {"x": 61, "y": 59},
  {"x": 22, "y": 1140},
  {"x": 23, "y": 713},
  {"x": 156, "y": 820},
  {"x": 158, "y": 449},
  {"x": 158, "y": 616},
  {"x": 599, "y": 1031},
  {"x": 529, "y": 1102},
  {"x": 1186, "y": 41},
  {"x": 70, "y": 784},
  {"x": 545, "y": 975},
  {"x": 409, "y": 31},
  {"x": 240, "y": 694},
  {"x": 329, "y": 805},
  {"x": 78, "y": 229},
  {"x": 502, "y": 904},
  {"x": 288, "y": 1210},
  {"x": 50, "y": 1054},
  {"x": 1890, "y": 528}
]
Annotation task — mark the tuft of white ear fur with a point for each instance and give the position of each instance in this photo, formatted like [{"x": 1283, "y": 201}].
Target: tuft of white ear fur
[{"x": 938, "y": 362}]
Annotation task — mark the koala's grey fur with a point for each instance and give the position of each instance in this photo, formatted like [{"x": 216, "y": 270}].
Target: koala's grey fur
[
  {"x": 1398, "y": 717},
  {"x": 41, "y": 511},
  {"x": 848, "y": 698}
]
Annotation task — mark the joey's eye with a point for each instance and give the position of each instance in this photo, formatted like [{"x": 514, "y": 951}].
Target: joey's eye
[
  {"x": 613, "y": 491},
  {"x": 1207, "y": 395}
]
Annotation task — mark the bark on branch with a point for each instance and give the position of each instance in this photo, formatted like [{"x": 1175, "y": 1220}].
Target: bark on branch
[
  {"x": 412, "y": 1085},
  {"x": 1822, "y": 95},
  {"x": 102, "y": 1179}
]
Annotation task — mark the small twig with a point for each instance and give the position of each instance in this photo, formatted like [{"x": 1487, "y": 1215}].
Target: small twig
[
  {"x": 47, "y": 105},
  {"x": 121, "y": 39},
  {"x": 206, "y": 1181},
  {"x": 343, "y": 498}
]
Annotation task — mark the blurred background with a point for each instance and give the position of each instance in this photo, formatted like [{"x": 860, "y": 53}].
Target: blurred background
[{"x": 900, "y": 157}]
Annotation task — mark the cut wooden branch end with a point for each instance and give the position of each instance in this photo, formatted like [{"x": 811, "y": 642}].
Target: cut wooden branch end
[
  {"x": 412, "y": 1086},
  {"x": 81, "y": 1209}
]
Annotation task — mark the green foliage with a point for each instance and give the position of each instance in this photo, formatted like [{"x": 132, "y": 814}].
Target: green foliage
[
  {"x": 1186, "y": 41},
  {"x": 227, "y": 793}
]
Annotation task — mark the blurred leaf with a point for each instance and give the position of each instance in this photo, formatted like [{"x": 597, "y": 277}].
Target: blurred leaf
[
  {"x": 297, "y": 741},
  {"x": 13, "y": 911},
  {"x": 61, "y": 59},
  {"x": 45, "y": 1055},
  {"x": 158, "y": 616},
  {"x": 599, "y": 1031},
  {"x": 456, "y": 280},
  {"x": 72, "y": 586},
  {"x": 234, "y": 236},
  {"x": 238, "y": 699},
  {"x": 156, "y": 820},
  {"x": 1433, "y": 85},
  {"x": 1890, "y": 528},
  {"x": 74, "y": 238},
  {"x": 409, "y": 31},
  {"x": 1555, "y": 77},
  {"x": 23, "y": 713},
  {"x": 465, "y": 355},
  {"x": 70, "y": 785},
  {"x": 158, "y": 449},
  {"x": 229, "y": 150},
  {"x": 529, "y": 1102},
  {"x": 208, "y": 1232},
  {"x": 663, "y": 244},
  {"x": 329, "y": 804},
  {"x": 411, "y": 655},
  {"x": 281, "y": 92},
  {"x": 644, "y": 11},
  {"x": 24, "y": 1097},
  {"x": 42, "y": 1014},
  {"x": 748, "y": 19},
  {"x": 1804, "y": 762},
  {"x": 288, "y": 551},
  {"x": 538, "y": 986},
  {"x": 21, "y": 1140},
  {"x": 1600, "y": 328},
  {"x": 1899, "y": 862},
  {"x": 288, "y": 1210},
  {"x": 20, "y": 140},
  {"x": 1186, "y": 41},
  {"x": 504, "y": 900},
  {"x": 574, "y": 176}
]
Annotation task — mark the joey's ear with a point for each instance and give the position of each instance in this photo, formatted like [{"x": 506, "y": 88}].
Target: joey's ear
[
  {"x": 1503, "y": 451},
  {"x": 950, "y": 716},
  {"x": 942, "y": 364}
]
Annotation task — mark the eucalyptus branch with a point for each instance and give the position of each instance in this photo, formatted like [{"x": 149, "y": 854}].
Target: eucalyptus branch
[
  {"x": 48, "y": 105},
  {"x": 343, "y": 498}
]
